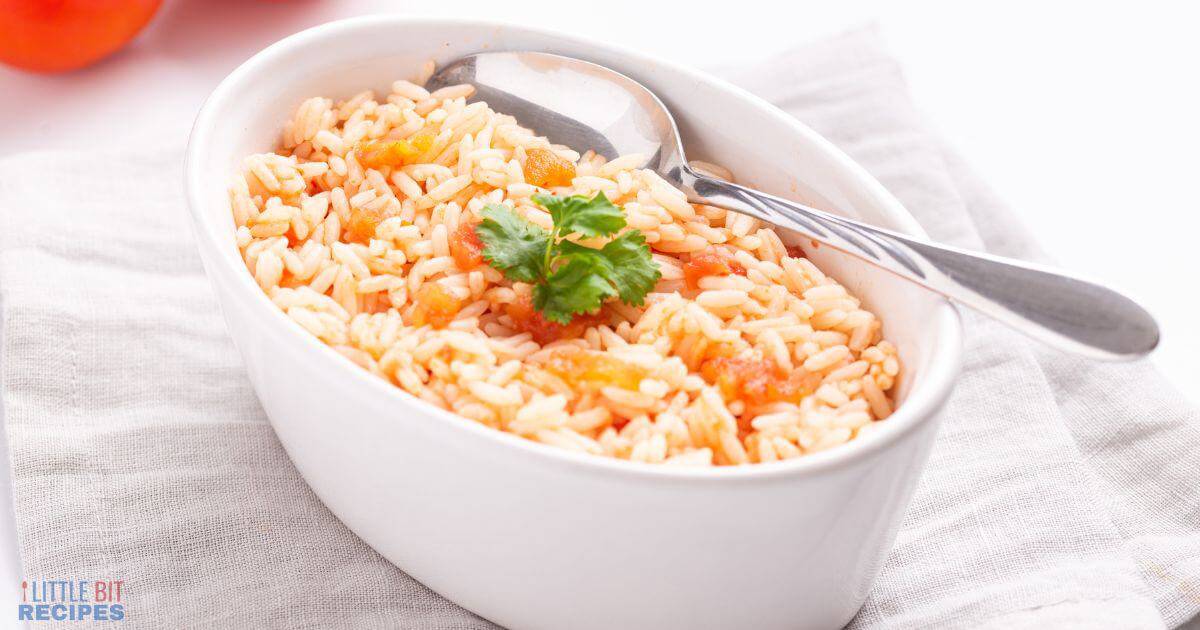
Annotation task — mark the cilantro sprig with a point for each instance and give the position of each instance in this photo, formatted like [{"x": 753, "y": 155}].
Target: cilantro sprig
[{"x": 569, "y": 278}]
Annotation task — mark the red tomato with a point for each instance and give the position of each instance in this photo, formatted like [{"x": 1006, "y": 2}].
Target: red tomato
[
  {"x": 466, "y": 247},
  {"x": 759, "y": 381},
  {"x": 710, "y": 262},
  {"x": 544, "y": 331},
  {"x": 59, "y": 35}
]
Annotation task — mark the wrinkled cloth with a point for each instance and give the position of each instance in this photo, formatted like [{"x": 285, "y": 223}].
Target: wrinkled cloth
[{"x": 1060, "y": 492}]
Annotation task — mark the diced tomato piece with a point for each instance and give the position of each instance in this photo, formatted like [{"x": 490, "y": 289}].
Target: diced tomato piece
[
  {"x": 465, "y": 246},
  {"x": 795, "y": 252},
  {"x": 544, "y": 167},
  {"x": 385, "y": 153},
  {"x": 758, "y": 381},
  {"x": 588, "y": 368},
  {"x": 363, "y": 222},
  {"x": 530, "y": 320},
  {"x": 423, "y": 139},
  {"x": 378, "y": 153},
  {"x": 710, "y": 262},
  {"x": 434, "y": 305}
]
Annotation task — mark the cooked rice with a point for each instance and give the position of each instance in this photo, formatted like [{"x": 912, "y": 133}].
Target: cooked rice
[{"x": 292, "y": 209}]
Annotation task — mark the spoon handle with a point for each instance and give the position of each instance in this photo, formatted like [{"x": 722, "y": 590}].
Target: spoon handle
[{"x": 1062, "y": 310}]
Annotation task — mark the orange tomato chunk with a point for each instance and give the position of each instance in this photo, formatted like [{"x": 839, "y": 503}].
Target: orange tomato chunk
[
  {"x": 588, "y": 368},
  {"x": 544, "y": 167},
  {"x": 385, "y": 153},
  {"x": 758, "y": 381},
  {"x": 423, "y": 139},
  {"x": 710, "y": 262},
  {"x": 434, "y": 306},
  {"x": 363, "y": 222},
  {"x": 395, "y": 153},
  {"x": 529, "y": 319},
  {"x": 465, "y": 246}
]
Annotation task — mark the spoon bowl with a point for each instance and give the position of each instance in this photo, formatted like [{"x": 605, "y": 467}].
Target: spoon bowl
[{"x": 571, "y": 102}]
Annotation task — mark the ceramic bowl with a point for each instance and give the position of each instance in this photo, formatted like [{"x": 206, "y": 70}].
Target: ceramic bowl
[{"x": 527, "y": 535}]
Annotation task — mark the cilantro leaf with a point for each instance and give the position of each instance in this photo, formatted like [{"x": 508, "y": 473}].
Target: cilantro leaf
[
  {"x": 513, "y": 244},
  {"x": 569, "y": 278},
  {"x": 579, "y": 215},
  {"x": 577, "y": 287},
  {"x": 634, "y": 272},
  {"x": 570, "y": 250},
  {"x": 624, "y": 261}
]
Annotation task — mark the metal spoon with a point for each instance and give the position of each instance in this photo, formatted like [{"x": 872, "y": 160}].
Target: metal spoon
[{"x": 587, "y": 106}]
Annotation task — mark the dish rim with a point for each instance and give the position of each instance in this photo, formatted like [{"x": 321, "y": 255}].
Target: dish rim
[{"x": 922, "y": 405}]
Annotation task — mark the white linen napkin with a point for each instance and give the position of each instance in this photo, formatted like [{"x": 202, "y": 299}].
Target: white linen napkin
[{"x": 1060, "y": 492}]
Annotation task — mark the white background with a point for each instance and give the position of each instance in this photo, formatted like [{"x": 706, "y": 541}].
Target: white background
[{"x": 1086, "y": 118}]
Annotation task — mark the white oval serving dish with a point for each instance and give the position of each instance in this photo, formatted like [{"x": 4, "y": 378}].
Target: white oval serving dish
[{"x": 527, "y": 535}]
